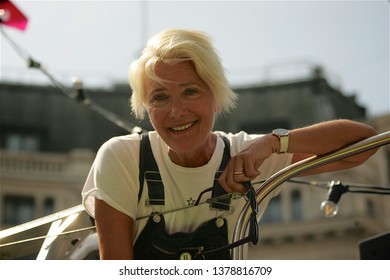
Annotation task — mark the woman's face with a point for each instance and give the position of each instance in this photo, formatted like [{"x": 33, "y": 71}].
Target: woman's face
[{"x": 181, "y": 108}]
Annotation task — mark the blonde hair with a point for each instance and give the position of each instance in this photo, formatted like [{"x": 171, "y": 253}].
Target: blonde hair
[{"x": 172, "y": 46}]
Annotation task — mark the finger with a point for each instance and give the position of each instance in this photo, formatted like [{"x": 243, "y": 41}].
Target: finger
[
  {"x": 234, "y": 185},
  {"x": 238, "y": 174},
  {"x": 227, "y": 181},
  {"x": 235, "y": 182},
  {"x": 244, "y": 169},
  {"x": 234, "y": 169},
  {"x": 250, "y": 170},
  {"x": 250, "y": 164}
]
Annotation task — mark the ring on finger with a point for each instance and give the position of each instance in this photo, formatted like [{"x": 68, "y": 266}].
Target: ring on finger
[{"x": 238, "y": 172}]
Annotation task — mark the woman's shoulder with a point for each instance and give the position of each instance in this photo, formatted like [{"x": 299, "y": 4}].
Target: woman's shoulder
[
  {"x": 121, "y": 144},
  {"x": 127, "y": 139}
]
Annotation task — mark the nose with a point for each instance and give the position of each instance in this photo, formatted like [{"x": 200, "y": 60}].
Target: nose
[{"x": 178, "y": 109}]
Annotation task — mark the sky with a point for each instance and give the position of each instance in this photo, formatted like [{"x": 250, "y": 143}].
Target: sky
[{"x": 258, "y": 41}]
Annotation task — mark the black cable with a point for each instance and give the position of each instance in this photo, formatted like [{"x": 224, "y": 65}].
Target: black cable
[
  {"x": 360, "y": 188},
  {"x": 78, "y": 97}
]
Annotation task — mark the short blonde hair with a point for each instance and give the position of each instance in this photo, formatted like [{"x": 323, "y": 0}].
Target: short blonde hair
[{"x": 172, "y": 46}]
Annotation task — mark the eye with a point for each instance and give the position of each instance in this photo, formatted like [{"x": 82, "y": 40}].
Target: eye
[
  {"x": 159, "y": 97},
  {"x": 191, "y": 91}
]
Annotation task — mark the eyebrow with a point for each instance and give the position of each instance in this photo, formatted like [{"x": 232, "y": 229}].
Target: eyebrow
[
  {"x": 190, "y": 84},
  {"x": 160, "y": 88}
]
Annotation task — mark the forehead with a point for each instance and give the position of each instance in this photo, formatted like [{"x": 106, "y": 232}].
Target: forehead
[
  {"x": 167, "y": 70},
  {"x": 180, "y": 72}
]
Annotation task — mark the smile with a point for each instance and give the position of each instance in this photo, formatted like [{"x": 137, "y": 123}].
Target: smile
[{"x": 183, "y": 127}]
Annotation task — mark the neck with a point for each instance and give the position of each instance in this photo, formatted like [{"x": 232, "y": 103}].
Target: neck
[{"x": 197, "y": 157}]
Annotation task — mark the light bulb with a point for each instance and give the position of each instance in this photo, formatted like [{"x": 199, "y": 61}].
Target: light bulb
[
  {"x": 329, "y": 208},
  {"x": 4, "y": 15}
]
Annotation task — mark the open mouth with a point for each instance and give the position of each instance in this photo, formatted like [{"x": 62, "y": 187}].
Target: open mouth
[{"x": 182, "y": 127}]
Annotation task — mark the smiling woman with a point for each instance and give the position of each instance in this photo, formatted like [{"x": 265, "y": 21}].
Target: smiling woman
[
  {"x": 182, "y": 110},
  {"x": 143, "y": 190}
]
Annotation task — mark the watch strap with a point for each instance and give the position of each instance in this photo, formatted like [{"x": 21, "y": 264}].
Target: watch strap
[
  {"x": 283, "y": 136},
  {"x": 283, "y": 144}
]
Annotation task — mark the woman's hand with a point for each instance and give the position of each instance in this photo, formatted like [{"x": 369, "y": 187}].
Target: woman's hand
[{"x": 245, "y": 165}]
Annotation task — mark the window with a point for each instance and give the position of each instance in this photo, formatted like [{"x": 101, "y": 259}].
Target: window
[
  {"x": 21, "y": 142},
  {"x": 18, "y": 138},
  {"x": 17, "y": 209},
  {"x": 296, "y": 204},
  {"x": 48, "y": 206},
  {"x": 273, "y": 212},
  {"x": 370, "y": 209}
]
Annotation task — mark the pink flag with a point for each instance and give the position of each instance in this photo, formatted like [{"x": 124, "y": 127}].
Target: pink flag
[{"x": 10, "y": 15}]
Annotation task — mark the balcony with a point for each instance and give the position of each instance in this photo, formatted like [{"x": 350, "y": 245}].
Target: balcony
[{"x": 71, "y": 166}]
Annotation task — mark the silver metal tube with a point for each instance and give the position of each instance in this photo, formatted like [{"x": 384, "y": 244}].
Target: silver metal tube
[{"x": 295, "y": 169}]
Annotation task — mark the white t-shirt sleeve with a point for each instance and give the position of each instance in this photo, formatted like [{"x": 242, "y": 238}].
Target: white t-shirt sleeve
[{"x": 114, "y": 176}]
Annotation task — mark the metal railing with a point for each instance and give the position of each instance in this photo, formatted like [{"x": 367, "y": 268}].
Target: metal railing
[{"x": 292, "y": 171}]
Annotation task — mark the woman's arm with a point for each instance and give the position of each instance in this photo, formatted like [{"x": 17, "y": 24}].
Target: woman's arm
[
  {"x": 317, "y": 139},
  {"x": 326, "y": 137},
  {"x": 115, "y": 232}
]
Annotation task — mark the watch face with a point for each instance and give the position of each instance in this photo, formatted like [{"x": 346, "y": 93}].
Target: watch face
[{"x": 281, "y": 132}]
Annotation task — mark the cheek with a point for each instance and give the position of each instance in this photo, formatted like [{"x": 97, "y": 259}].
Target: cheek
[
  {"x": 209, "y": 114},
  {"x": 155, "y": 116},
  {"x": 151, "y": 114},
  {"x": 211, "y": 108}
]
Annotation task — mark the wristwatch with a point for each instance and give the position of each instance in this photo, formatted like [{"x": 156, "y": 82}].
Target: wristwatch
[{"x": 283, "y": 135}]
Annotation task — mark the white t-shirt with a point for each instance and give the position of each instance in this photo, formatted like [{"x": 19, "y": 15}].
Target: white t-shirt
[{"x": 114, "y": 179}]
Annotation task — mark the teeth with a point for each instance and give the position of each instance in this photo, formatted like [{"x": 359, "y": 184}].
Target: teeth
[{"x": 183, "y": 127}]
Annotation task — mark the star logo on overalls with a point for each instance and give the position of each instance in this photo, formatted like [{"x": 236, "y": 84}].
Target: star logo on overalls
[{"x": 191, "y": 202}]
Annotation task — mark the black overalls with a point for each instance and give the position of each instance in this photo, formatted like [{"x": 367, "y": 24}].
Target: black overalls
[{"x": 154, "y": 243}]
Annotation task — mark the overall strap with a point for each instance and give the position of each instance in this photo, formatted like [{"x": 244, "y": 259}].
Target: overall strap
[
  {"x": 223, "y": 204},
  {"x": 148, "y": 170}
]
